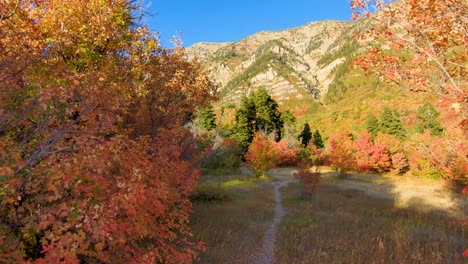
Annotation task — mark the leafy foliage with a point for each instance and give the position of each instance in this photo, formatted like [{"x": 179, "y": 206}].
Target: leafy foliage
[
  {"x": 340, "y": 152},
  {"x": 94, "y": 162},
  {"x": 423, "y": 48},
  {"x": 261, "y": 155},
  {"x": 222, "y": 153},
  {"x": 371, "y": 156},
  {"x": 245, "y": 122},
  {"x": 267, "y": 116}
]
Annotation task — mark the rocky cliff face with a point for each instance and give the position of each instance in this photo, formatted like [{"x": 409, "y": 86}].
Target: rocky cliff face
[{"x": 293, "y": 64}]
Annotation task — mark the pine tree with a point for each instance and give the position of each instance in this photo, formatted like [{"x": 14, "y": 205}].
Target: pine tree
[
  {"x": 287, "y": 118},
  {"x": 306, "y": 135},
  {"x": 390, "y": 123},
  {"x": 245, "y": 123},
  {"x": 372, "y": 125},
  {"x": 288, "y": 132},
  {"x": 206, "y": 118},
  {"x": 427, "y": 115},
  {"x": 268, "y": 117},
  {"x": 317, "y": 139}
]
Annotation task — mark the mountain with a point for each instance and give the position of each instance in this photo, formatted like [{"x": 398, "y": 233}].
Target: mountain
[
  {"x": 294, "y": 64},
  {"x": 308, "y": 70}
]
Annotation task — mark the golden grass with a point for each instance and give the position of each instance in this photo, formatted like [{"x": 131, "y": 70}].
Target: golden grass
[
  {"x": 330, "y": 226},
  {"x": 346, "y": 226},
  {"x": 233, "y": 231}
]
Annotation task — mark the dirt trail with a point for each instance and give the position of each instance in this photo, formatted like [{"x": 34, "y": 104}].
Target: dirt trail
[
  {"x": 284, "y": 177},
  {"x": 416, "y": 193},
  {"x": 268, "y": 255}
]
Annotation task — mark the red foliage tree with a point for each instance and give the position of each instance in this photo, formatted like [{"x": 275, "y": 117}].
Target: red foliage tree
[
  {"x": 399, "y": 162},
  {"x": 261, "y": 155},
  {"x": 287, "y": 154},
  {"x": 422, "y": 46},
  {"x": 340, "y": 152},
  {"x": 371, "y": 156},
  {"x": 94, "y": 163}
]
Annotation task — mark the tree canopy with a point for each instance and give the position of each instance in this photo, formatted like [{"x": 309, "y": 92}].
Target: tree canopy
[{"x": 95, "y": 163}]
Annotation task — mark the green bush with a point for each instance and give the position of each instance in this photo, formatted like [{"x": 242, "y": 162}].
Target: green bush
[
  {"x": 209, "y": 192},
  {"x": 226, "y": 155}
]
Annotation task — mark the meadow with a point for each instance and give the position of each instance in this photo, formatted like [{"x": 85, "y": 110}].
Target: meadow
[{"x": 330, "y": 225}]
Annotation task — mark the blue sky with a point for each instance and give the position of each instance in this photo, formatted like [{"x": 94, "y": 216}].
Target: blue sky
[{"x": 221, "y": 21}]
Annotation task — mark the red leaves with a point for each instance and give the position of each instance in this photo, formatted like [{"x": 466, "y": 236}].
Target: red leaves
[
  {"x": 465, "y": 253},
  {"x": 77, "y": 165},
  {"x": 465, "y": 190},
  {"x": 363, "y": 154},
  {"x": 261, "y": 155}
]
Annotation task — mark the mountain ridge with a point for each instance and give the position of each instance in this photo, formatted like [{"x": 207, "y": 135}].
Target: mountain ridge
[{"x": 286, "y": 62}]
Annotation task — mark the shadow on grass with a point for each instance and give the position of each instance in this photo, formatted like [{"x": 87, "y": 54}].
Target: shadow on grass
[{"x": 348, "y": 226}]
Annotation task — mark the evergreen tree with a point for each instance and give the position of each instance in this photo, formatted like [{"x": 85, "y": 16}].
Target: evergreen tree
[
  {"x": 306, "y": 135},
  {"x": 427, "y": 115},
  {"x": 288, "y": 130},
  {"x": 206, "y": 118},
  {"x": 317, "y": 139},
  {"x": 390, "y": 123},
  {"x": 268, "y": 117},
  {"x": 287, "y": 118},
  {"x": 372, "y": 125},
  {"x": 245, "y": 123}
]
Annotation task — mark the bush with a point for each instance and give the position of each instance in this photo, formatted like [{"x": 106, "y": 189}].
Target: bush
[
  {"x": 287, "y": 155},
  {"x": 224, "y": 153},
  {"x": 208, "y": 192},
  {"x": 340, "y": 152},
  {"x": 261, "y": 155},
  {"x": 399, "y": 163},
  {"x": 310, "y": 179}
]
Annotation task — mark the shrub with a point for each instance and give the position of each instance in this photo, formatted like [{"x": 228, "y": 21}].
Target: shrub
[
  {"x": 286, "y": 153},
  {"x": 208, "y": 192},
  {"x": 340, "y": 152},
  {"x": 371, "y": 156},
  {"x": 310, "y": 179},
  {"x": 261, "y": 155},
  {"x": 224, "y": 153},
  {"x": 399, "y": 163},
  {"x": 312, "y": 155}
]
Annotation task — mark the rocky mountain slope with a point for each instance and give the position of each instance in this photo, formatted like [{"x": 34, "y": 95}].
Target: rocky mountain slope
[{"x": 295, "y": 65}]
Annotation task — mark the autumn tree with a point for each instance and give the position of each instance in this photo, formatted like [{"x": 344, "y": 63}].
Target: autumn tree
[
  {"x": 421, "y": 46},
  {"x": 261, "y": 155},
  {"x": 94, "y": 162},
  {"x": 341, "y": 152},
  {"x": 369, "y": 155}
]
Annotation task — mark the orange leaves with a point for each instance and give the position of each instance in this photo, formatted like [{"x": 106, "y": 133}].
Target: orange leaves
[
  {"x": 426, "y": 40},
  {"x": 261, "y": 155},
  {"x": 93, "y": 156}
]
